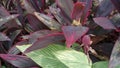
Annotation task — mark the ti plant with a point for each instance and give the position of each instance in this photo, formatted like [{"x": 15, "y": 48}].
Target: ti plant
[{"x": 59, "y": 33}]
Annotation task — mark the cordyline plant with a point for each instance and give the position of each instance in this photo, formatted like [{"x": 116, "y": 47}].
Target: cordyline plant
[{"x": 59, "y": 33}]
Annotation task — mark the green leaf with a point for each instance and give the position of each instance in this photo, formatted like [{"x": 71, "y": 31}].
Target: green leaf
[
  {"x": 57, "y": 56},
  {"x": 103, "y": 64}
]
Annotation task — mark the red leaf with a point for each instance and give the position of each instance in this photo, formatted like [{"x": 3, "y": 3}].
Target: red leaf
[
  {"x": 18, "y": 61},
  {"x": 73, "y": 33},
  {"x": 86, "y": 42},
  {"x": 45, "y": 41},
  {"x": 77, "y": 10},
  {"x": 88, "y": 5},
  {"x": 104, "y": 23}
]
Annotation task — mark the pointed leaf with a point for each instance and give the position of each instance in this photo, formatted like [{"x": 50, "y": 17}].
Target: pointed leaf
[
  {"x": 115, "y": 56},
  {"x": 28, "y": 6},
  {"x": 86, "y": 12},
  {"x": 73, "y": 33},
  {"x": 77, "y": 10},
  {"x": 3, "y": 37},
  {"x": 116, "y": 4},
  {"x": 57, "y": 56},
  {"x": 45, "y": 41},
  {"x": 101, "y": 9},
  {"x": 104, "y": 23},
  {"x": 18, "y": 61},
  {"x": 48, "y": 21},
  {"x": 59, "y": 15},
  {"x": 66, "y": 6},
  {"x": 8, "y": 18}
]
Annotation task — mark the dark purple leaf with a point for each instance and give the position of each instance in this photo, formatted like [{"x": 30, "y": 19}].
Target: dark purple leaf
[
  {"x": 45, "y": 41},
  {"x": 116, "y": 4},
  {"x": 18, "y": 61},
  {"x": 77, "y": 10},
  {"x": 29, "y": 8},
  {"x": 66, "y": 6},
  {"x": 104, "y": 23},
  {"x": 48, "y": 21},
  {"x": 35, "y": 23},
  {"x": 4, "y": 20},
  {"x": 101, "y": 9},
  {"x": 59, "y": 15},
  {"x": 115, "y": 56},
  {"x": 4, "y": 13},
  {"x": 73, "y": 33},
  {"x": 2, "y": 49},
  {"x": 3, "y": 37},
  {"x": 88, "y": 5},
  {"x": 33, "y": 37},
  {"x": 15, "y": 50}
]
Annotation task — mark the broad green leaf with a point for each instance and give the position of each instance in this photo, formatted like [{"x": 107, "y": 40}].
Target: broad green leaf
[
  {"x": 57, "y": 56},
  {"x": 103, "y": 64}
]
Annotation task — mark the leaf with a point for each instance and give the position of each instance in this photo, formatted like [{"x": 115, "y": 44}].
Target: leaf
[
  {"x": 86, "y": 12},
  {"x": 101, "y": 9},
  {"x": 18, "y": 61},
  {"x": 35, "y": 23},
  {"x": 116, "y": 4},
  {"x": 4, "y": 20},
  {"x": 14, "y": 50},
  {"x": 86, "y": 42},
  {"x": 115, "y": 56},
  {"x": 66, "y": 6},
  {"x": 73, "y": 33},
  {"x": 3, "y": 37},
  {"x": 57, "y": 56},
  {"x": 45, "y": 41},
  {"x": 104, "y": 64},
  {"x": 104, "y": 23},
  {"x": 48, "y": 21},
  {"x": 77, "y": 10},
  {"x": 29, "y": 8},
  {"x": 59, "y": 15}
]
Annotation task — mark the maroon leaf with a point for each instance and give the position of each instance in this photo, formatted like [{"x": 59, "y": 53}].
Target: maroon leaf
[
  {"x": 45, "y": 41},
  {"x": 73, "y": 33},
  {"x": 18, "y": 61},
  {"x": 104, "y": 23},
  {"x": 116, "y": 4},
  {"x": 88, "y": 5},
  {"x": 77, "y": 10},
  {"x": 3, "y": 37},
  {"x": 86, "y": 42},
  {"x": 115, "y": 56},
  {"x": 66, "y": 6},
  {"x": 101, "y": 9}
]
